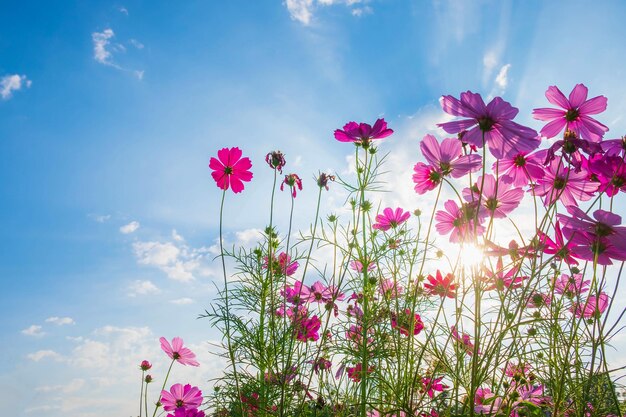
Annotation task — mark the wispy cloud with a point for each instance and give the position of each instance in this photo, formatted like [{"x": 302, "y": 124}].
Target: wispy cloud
[
  {"x": 34, "y": 331},
  {"x": 302, "y": 10},
  {"x": 73, "y": 386},
  {"x": 502, "y": 79},
  {"x": 130, "y": 227},
  {"x": 11, "y": 83},
  {"x": 136, "y": 43},
  {"x": 60, "y": 321},
  {"x": 104, "y": 49},
  {"x": 123, "y": 10},
  {"x": 100, "y": 218},
  {"x": 183, "y": 301},
  {"x": 143, "y": 288},
  {"x": 43, "y": 354}
]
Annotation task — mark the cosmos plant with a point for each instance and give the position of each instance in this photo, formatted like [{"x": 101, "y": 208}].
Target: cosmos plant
[{"x": 492, "y": 295}]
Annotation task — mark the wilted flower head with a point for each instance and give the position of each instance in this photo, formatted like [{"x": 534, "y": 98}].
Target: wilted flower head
[
  {"x": 178, "y": 352},
  {"x": 276, "y": 160},
  {"x": 323, "y": 178},
  {"x": 294, "y": 182},
  {"x": 362, "y": 133},
  {"x": 230, "y": 169}
]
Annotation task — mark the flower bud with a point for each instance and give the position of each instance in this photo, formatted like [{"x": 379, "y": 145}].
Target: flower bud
[{"x": 145, "y": 365}]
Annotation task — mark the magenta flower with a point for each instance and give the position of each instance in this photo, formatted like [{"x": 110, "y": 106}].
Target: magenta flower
[
  {"x": 230, "y": 169},
  {"x": 464, "y": 340},
  {"x": 461, "y": 221},
  {"x": 432, "y": 385},
  {"x": 145, "y": 365},
  {"x": 611, "y": 172},
  {"x": 180, "y": 396},
  {"x": 593, "y": 307},
  {"x": 362, "y": 133},
  {"x": 320, "y": 293},
  {"x": 182, "y": 412},
  {"x": 485, "y": 402},
  {"x": 522, "y": 168},
  {"x": 564, "y": 184},
  {"x": 493, "y": 122},
  {"x": 426, "y": 177},
  {"x": 498, "y": 197},
  {"x": 614, "y": 147},
  {"x": 557, "y": 247},
  {"x": 517, "y": 370},
  {"x": 501, "y": 281},
  {"x": 573, "y": 113},
  {"x": 438, "y": 285},
  {"x": 298, "y": 294},
  {"x": 571, "y": 285},
  {"x": 276, "y": 160},
  {"x": 178, "y": 352},
  {"x": 355, "y": 373},
  {"x": 281, "y": 265},
  {"x": 391, "y": 219},
  {"x": 571, "y": 149},
  {"x": 307, "y": 328},
  {"x": 407, "y": 322},
  {"x": 448, "y": 157},
  {"x": 292, "y": 181}
]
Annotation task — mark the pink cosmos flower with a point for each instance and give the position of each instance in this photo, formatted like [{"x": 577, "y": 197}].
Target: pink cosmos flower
[
  {"x": 230, "y": 169},
  {"x": 464, "y": 340},
  {"x": 573, "y": 113},
  {"x": 358, "y": 266},
  {"x": 517, "y": 370},
  {"x": 178, "y": 352},
  {"x": 430, "y": 386},
  {"x": 390, "y": 288},
  {"x": 571, "y": 285},
  {"x": 292, "y": 181},
  {"x": 563, "y": 184},
  {"x": 493, "y": 121},
  {"x": 498, "y": 197},
  {"x": 611, "y": 172},
  {"x": 426, "y": 177},
  {"x": 501, "y": 281},
  {"x": 276, "y": 160},
  {"x": 614, "y": 147},
  {"x": 362, "y": 133},
  {"x": 448, "y": 157},
  {"x": 307, "y": 328},
  {"x": 522, "y": 168},
  {"x": 182, "y": 412},
  {"x": 461, "y": 221},
  {"x": 298, "y": 294},
  {"x": 391, "y": 219},
  {"x": 558, "y": 247},
  {"x": 180, "y": 396},
  {"x": 355, "y": 373},
  {"x": 486, "y": 402},
  {"x": 571, "y": 149},
  {"x": 593, "y": 307},
  {"x": 438, "y": 285},
  {"x": 405, "y": 321},
  {"x": 282, "y": 265}
]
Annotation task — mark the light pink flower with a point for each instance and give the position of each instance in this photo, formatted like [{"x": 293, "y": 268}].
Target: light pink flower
[
  {"x": 426, "y": 177},
  {"x": 523, "y": 168},
  {"x": 390, "y": 288},
  {"x": 461, "y": 221},
  {"x": 593, "y": 307},
  {"x": 573, "y": 114},
  {"x": 448, "y": 156},
  {"x": 358, "y": 266},
  {"x": 498, "y": 199},
  {"x": 563, "y": 184},
  {"x": 180, "y": 396},
  {"x": 571, "y": 285},
  {"x": 391, "y": 219},
  {"x": 230, "y": 169},
  {"x": 178, "y": 352}
]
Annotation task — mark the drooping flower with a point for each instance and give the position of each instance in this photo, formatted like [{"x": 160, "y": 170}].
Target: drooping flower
[
  {"x": 523, "y": 168},
  {"x": 438, "y": 285},
  {"x": 323, "y": 178},
  {"x": 230, "y": 169},
  {"x": 432, "y": 385},
  {"x": 558, "y": 247},
  {"x": 592, "y": 307},
  {"x": 321, "y": 364},
  {"x": 498, "y": 197},
  {"x": 448, "y": 157},
  {"x": 614, "y": 147},
  {"x": 571, "y": 149},
  {"x": 281, "y": 265},
  {"x": 276, "y": 160},
  {"x": 179, "y": 396},
  {"x": 563, "y": 184},
  {"x": 391, "y": 219},
  {"x": 538, "y": 300},
  {"x": 461, "y": 221},
  {"x": 464, "y": 340},
  {"x": 574, "y": 113},
  {"x": 407, "y": 322},
  {"x": 571, "y": 286},
  {"x": 292, "y": 181},
  {"x": 362, "y": 133},
  {"x": 178, "y": 352},
  {"x": 426, "y": 177},
  {"x": 145, "y": 365},
  {"x": 493, "y": 122}
]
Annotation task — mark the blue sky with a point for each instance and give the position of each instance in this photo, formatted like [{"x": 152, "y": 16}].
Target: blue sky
[{"x": 110, "y": 111}]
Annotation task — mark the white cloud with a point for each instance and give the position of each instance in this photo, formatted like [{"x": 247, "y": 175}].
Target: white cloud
[
  {"x": 248, "y": 237},
  {"x": 10, "y": 83},
  {"x": 183, "y": 301},
  {"x": 60, "y": 321},
  {"x": 42, "y": 354},
  {"x": 33, "y": 330},
  {"x": 130, "y": 227},
  {"x": 502, "y": 80},
  {"x": 177, "y": 237},
  {"x": 143, "y": 288},
  {"x": 360, "y": 11},
  {"x": 156, "y": 253},
  {"x": 101, "y": 41},
  {"x": 123, "y": 10},
  {"x": 74, "y": 385},
  {"x": 300, "y": 10},
  {"x": 100, "y": 218},
  {"x": 136, "y": 43},
  {"x": 179, "y": 263}
]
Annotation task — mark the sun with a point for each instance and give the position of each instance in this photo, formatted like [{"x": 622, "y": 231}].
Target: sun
[{"x": 471, "y": 256}]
